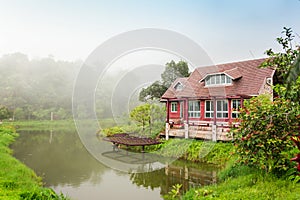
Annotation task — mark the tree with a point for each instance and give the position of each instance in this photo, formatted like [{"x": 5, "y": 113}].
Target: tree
[
  {"x": 4, "y": 112},
  {"x": 293, "y": 81},
  {"x": 156, "y": 90},
  {"x": 141, "y": 114},
  {"x": 263, "y": 137},
  {"x": 172, "y": 71},
  {"x": 285, "y": 64},
  {"x": 150, "y": 116}
]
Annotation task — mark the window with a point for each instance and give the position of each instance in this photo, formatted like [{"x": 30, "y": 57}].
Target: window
[
  {"x": 174, "y": 107},
  {"x": 235, "y": 106},
  {"x": 209, "y": 109},
  {"x": 222, "y": 109},
  {"x": 194, "y": 108},
  {"x": 178, "y": 86},
  {"x": 217, "y": 79}
]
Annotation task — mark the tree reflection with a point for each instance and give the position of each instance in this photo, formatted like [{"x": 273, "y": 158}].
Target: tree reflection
[
  {"x": 58, "y": 156},
  {"x": 180, "y": 172}
]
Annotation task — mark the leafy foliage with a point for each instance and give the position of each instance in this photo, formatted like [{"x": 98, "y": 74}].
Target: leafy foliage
[
  {"x": 286, "y": 63},
  {"x": 4, "y": 112},
  {"x": 141, "y": 114},
  {"x": 148, "y": 115},
  {"x": 155, "y": 90},
  {"x": 172, "y": 71},
  {"x": 244, "y": 182},
  {"x": 174, "y": 193},
  {"x": 264, "y": 136}
]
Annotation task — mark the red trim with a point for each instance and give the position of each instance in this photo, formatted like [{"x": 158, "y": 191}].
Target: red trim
[{"x": 175, "y": 116}]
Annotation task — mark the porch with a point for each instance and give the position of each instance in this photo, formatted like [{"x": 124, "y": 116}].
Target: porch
[
  {"x": 205, "y": 130},
  {"x": 208, "y": 119}
]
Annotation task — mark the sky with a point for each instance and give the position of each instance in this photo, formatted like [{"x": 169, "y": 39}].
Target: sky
[{"x": 230, "y": 30}]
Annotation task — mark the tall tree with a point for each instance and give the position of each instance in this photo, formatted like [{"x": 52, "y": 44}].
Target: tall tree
[
  {"x": 286, "y": 64},
  {"x": 172, "y": 71}
]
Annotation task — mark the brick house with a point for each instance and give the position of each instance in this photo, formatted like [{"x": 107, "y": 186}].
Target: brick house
[{"x": 206, "y": 103}]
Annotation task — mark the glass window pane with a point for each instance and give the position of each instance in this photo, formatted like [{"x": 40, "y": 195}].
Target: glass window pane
[
  {"x": 213, "y": 80},
  {"x": 234, "y": 104},
  {"x": 219, "y": 105},
  {"x": 218, "y": 79},
  {"x": 223, "y": 78},
  {"x": 225, "y": 105},
  {"x": 208, "y": 105},
  {"x": 208, "y": 80},
  {"x": 197, "y": 107},
  {"x": 228, "y": 79}
]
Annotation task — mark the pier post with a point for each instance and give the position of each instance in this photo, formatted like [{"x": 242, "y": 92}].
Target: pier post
[
  {"x": 186, "y": 130},
  {"x": 167, "y": 131}
]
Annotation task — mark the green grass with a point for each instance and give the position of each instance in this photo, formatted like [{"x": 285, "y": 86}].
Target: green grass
[
  {"x": 17, "y": 181},
  {"x": 42, "y": 125},
  {"x": 53, "y": 125},
  {"x": 195, "y": 150}
]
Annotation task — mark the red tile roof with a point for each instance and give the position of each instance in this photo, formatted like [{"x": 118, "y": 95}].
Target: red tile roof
[{"x": 248, "y": 79}]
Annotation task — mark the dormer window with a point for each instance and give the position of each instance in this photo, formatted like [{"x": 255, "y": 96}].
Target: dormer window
[
  {"x": 178, "y": 86},
  {"x": 217, "y": 79}
]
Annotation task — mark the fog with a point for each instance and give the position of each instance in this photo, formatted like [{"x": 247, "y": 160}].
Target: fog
[{"x": 32, "y": 89}]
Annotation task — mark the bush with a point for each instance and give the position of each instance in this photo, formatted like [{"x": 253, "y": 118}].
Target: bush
[
  {"x": 263, "y": 138},
  {"x": 113, "y": 130}
]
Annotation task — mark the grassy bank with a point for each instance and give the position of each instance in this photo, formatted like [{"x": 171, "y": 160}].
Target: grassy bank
[
  {"x": 17, "y": 181},
  {"x": 42, "y": 125},
  {"x": 236, "y": 181},
  {"x": 243, "y": 182},
  {"x": 195, "y": 150}
]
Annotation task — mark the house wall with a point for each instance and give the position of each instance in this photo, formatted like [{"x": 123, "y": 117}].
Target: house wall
[
  {"x": 266, "y": 89},
  {"x": 202, "y": 120},
  {"x": 174, "y": 116}
]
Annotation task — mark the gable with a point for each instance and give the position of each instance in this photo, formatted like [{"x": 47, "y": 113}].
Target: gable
[
  {"x": 178, "y": 86},
  {"x": 246, "y": 79}
]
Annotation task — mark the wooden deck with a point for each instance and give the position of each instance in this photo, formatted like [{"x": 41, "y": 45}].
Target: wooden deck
[
  {"x": 204, "y": 132},
  {"x": 126, "y": 139}
]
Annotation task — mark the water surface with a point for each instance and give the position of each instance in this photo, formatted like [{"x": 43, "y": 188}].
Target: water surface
[{"x": 66, "y": 166}]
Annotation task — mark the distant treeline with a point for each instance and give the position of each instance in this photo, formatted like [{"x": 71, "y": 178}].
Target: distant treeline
[{"x": 32, "y": 89}]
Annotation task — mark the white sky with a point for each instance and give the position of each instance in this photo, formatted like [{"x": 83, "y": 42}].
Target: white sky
[{"x": 69, "y": 30}]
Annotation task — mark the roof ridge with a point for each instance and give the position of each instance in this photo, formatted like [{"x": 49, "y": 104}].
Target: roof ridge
[{"x": 230, "y": 63}]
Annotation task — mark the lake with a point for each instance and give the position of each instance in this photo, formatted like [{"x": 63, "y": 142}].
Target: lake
[{"x": 66, "y": 166}]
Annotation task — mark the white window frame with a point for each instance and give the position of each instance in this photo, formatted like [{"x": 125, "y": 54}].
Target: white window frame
[
  {"x": 218, "y": 79},
  {"x": 193, "y": 113},
  {"x": 174, "y": 107},
  {"x": 222, "y": 113},
  {"x": 235, "y": 111},
  {"x": 211, "y": 111}
]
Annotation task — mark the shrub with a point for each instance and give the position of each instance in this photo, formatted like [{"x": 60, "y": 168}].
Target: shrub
[{"x": 264, "y": 135}]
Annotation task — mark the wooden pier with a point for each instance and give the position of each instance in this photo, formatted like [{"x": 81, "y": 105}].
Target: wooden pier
[{"x": 127, "y": 140}]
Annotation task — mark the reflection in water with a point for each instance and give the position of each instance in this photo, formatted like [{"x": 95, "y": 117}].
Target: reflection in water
[
  {"x": 65, "y": 165},
  {"x": 59, "y": 157},
  {"x": 178, "y": 172}
]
